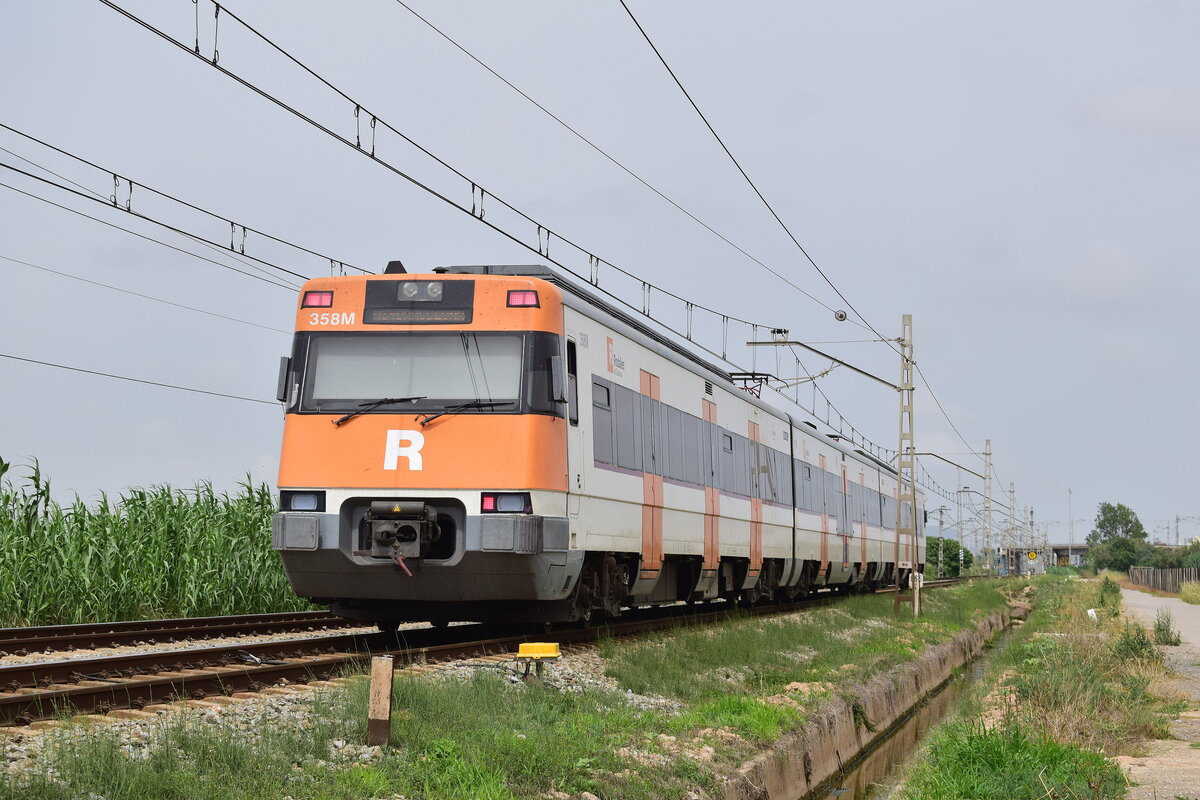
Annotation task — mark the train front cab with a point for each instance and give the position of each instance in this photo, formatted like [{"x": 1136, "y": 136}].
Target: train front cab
[{"x": 423, "y": 467}]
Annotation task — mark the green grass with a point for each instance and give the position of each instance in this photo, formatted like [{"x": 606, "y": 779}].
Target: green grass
[
  {"x": 157, "y": 552},
  {"x": 966, "y": 761},
  {"x": 723, "y": 672},
  {"x": 481, "y": 739}
]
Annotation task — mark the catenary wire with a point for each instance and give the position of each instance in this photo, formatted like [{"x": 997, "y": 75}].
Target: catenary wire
[
  {"x": 162, "y": 194},
  {"x": 423, "y": 186},
  {"x": 138, "y": 380},
  {"x": 232, "y": 255},
  {"x": 143, "y": 296},
  {"x": 761, "y": 197},
  {"x": 779, "y": 219},
  {"x": 151, "y": 239},
  {"x": 139, "y": 215},
  {"x": 614, "y": 160}
]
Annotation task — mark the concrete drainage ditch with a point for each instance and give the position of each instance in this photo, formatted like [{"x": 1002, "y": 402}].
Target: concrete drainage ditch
[{"x": 858, "y": 738}]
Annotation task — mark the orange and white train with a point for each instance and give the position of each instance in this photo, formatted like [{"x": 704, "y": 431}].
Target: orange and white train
[{"x": 494, "y": 443}]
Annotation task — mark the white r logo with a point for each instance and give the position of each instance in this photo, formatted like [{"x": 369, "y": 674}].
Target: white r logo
[{"x": 411, "y": 450}]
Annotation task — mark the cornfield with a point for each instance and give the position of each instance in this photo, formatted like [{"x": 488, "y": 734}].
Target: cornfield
[{"x": 157, "y": 552}]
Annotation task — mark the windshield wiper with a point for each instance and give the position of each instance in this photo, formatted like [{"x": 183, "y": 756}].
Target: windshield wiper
[
  {"x": 428, "y": 418},
  {"x": 365, "y": 407}
]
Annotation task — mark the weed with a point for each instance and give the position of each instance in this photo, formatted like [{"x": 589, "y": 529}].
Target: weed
[
  {"x": 1110, "y": 595},
  {"x": 1190, "y": 592},
  {"x": 1164, "y": 629},
  {"x": 1133, "y": 644}
]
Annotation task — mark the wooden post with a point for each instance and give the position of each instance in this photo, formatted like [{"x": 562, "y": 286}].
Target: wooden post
[{"x": 379, "y": 707}]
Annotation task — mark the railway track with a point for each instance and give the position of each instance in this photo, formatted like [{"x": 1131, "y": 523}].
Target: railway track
[
  {"x": 22, "y": 641},
  {"x": 44, "y": 690}
]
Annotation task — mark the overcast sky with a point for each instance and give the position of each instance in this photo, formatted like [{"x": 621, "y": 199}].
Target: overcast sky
[{"x": 1022, "y": 177}]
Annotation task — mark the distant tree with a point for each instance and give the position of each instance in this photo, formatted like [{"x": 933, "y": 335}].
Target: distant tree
[
  {"x": 1115, "y": 522},
  {"x": 948, "y": 548},
  {"x": 1122, "y": 553}
]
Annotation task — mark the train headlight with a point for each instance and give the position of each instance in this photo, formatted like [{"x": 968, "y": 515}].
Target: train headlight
[
  {"x": 421, "y": 291},
  {"x": 301, "y": 501}
]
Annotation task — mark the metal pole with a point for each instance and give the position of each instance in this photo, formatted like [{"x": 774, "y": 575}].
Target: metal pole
[
  {"x": 987, "y": 505},
  {"x": 941, "y": 538},
  {"x": 1070, "y": 531},
  {"x": 958, "y": 522},
  {"x": 1013, "y": 530},
  {"x": 906, "y": 494}
]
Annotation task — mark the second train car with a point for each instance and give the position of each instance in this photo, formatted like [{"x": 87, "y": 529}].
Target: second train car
[{"x": 493, "y": 443}]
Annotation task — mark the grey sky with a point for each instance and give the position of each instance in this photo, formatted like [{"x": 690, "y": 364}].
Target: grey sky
[{"x": 1021, "y": 177}]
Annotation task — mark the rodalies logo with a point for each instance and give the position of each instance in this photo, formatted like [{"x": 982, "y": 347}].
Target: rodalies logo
[
  {"x": 616, "y": 364},
  {"x": 403, "y": 443}
]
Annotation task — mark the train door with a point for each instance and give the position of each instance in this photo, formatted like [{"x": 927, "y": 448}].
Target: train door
[{"x": 574, "y": 433}]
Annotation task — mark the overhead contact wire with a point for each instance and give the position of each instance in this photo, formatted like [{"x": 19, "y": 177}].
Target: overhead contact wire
[
  {"x": 160, "y": 193},
  {"x": 613, "y": 159},
  {"x": 143, "y": 296},
  {"x": 151, "y": 239},
  {"x": 139, "y": 215},
  {"x": 138, "y": 380},
  {"x": 745, "y": 175},
  {"x": 415, "y": 182},
  {"x": 224, "y": 251}
]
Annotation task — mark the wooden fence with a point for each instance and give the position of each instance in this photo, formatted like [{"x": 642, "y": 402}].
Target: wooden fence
[{"x": 1165, "y": 580}]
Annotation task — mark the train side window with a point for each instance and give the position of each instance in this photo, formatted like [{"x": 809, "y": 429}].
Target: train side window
[
  {"x": 678, "y": 470},
  {"x": 693, "y": 462},
  {"x": 572, "y": 385},
  {"x": 602, "y": 424},
  {"x": 627, "y": 424}
]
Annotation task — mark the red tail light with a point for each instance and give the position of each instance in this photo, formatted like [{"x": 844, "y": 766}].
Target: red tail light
[
  {"x": 317, "y": 300},
  {"x": 523, "y": 298},
  {"x": 505, "y": 503}
]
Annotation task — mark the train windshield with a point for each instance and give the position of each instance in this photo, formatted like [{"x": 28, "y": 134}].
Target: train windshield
[{"x": 344, "y": 371}]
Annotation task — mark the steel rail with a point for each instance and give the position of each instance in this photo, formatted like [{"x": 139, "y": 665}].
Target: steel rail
[
  {"x": 116, "y": 634},
  {"x": 38, "y": 691}
]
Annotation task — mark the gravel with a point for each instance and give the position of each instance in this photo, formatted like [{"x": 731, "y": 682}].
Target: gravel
[
  {"x": 26, "y": 749},
  {"x": 158, "y": 647}
]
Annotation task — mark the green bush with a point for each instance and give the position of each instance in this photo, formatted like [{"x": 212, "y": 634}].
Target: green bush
[
  {"x": 1133, "y": 644},
  {"x": 1164, "y": 629},
  {"x": 1110, "y": 596}
]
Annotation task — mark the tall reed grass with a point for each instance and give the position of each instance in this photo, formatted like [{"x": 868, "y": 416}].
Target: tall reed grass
[{"x": 156, "y": 552}]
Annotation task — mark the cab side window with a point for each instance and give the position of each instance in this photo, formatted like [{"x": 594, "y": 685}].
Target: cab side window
[{"x": 572, "y": 384}]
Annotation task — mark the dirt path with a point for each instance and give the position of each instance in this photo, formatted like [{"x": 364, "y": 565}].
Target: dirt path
[{"x": 1172, "y": 768}]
